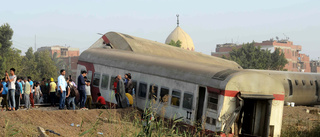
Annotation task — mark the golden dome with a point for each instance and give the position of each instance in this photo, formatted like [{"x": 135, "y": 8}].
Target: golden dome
[{"x": 179, "y": 34}]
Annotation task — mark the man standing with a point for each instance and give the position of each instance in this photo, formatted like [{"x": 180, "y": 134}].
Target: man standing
[
  {"x": 27, "y": 91},
  {"x": 4, "y": 94},
  {"x": 12, "y": 80},
  {"x": 1, "y": 89},
  {"x": 53, "y": 87},
  {"x": 71, "y": 95},
  {"x": 18, "y": 93},
  {"x": 122, "y": 102},
  {"x": 62, "y": 84},
  {"x": 129, "y": 85},
  {"x": 82, "y": 88},
  {"x": 89, "y": 97},
  {"x": 31, "y": 91}
]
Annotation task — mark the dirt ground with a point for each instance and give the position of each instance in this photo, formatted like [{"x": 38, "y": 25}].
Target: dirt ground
[
  {"x": 109, "y": 122},
  {"x": 26, "y": 122},
  {"x": 303, "y": 117}
]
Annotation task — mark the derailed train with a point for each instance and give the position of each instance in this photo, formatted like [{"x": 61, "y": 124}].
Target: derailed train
[{"x": 203, "y": 90}]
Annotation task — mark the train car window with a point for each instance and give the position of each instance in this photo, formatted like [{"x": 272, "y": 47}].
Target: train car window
[
  {"x": 142, "y": 90},
  {"x": 213, "y": 101},
  {"x": 164, "y": 95},
  {"x": 303, "y": 82},
  {"x": 290, "y": 87},
  {"x": 175, "y": 99},
  {"x": 187, "y": 101},
  {"x": 112, "y": 80},
  {"x": 297, "y": 82},
  {"x": 211, "y": 121},
  {"x": 311, "y": 82},
  {"x": 96, "y": 79},
  {"x": 317, "y": 87},
  {"x": 89, "y": 75},
  {"x": 153, "y": 91},
  {"x": 134, "y": 83},
  {"x": 104, "y": 81}
]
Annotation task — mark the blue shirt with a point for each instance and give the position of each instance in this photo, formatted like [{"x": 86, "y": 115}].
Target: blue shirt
[
  {"x": 20, "y": 84},
  {"x": 5, "y": 88},
  {"x": 62, "y": 82},
  {"x": 31, "y": 85}
]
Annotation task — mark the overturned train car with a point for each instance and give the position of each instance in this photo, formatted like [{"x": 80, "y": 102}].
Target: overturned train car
[{"x": 203, "y": 90}]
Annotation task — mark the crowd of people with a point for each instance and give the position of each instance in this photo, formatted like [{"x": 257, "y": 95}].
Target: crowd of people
[{"x": 17, "y": 90}]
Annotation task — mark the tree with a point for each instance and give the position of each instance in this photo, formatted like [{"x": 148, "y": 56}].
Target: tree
[
  {"x": 29, "y": 64},
  {"x": 175, "y": 44},
  {"x": 9, "y": 57},
  {"x": 252, "y": 57},
  {"x": 59, "y": 63},
  {"x": 45, "y": 65}
]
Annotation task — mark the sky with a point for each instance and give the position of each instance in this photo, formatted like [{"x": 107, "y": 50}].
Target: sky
[{"x": 75, "y": 23}]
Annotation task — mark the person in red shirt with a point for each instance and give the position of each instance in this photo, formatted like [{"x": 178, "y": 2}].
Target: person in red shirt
[{"x": 100, "y": 101}]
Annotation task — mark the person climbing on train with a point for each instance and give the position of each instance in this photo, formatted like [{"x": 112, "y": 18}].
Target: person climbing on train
[
  {"x": 121, "y": 94},
  {"x": 82, "y": 88}
]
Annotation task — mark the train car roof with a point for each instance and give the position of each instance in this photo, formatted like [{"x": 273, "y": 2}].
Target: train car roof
[
  {"x": 126, "y": 42},
  {"x": 275, "y": 72},
  {"x": 198, "y": 73},
  {"x": 164, "y": 67}
]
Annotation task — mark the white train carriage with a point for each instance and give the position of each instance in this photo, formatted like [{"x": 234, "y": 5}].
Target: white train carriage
[{"x": 219, "y": 98}]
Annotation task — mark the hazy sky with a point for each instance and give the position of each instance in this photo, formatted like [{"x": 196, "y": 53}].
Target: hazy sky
[{"x": 76, "y": 23}]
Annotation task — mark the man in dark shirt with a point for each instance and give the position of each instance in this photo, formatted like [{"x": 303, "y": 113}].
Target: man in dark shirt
[{"x": 82, "y": 88}]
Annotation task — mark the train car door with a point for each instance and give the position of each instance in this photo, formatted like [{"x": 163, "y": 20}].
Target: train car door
[
  {"x": 201, "y": 98},
  {"x": 256, "y": 113}
]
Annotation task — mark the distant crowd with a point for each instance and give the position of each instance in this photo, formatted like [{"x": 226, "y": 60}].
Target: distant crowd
[{"x": 18, "y": 90}]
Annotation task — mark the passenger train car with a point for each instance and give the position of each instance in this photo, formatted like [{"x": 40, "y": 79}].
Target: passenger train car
[
  {"x": 215, "y": 93},
  {"x": 300, "y": 88}
]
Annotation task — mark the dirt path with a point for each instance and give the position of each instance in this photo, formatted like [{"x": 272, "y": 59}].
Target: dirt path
[{"x": 26, "y": 122}]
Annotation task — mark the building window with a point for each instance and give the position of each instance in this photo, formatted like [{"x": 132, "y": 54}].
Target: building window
[
  {"x": 164, "y": 95},
  {"x": 175, "y": 100},
  {"x": 96, "y": 79},
  {"x": 292, "y": 53},
  {"x": 213, "y": 101},
  {"x": 104, "y": 81},
  {"x": 63, "y": 51},
  {"x": 142, "y": 90},
  {"x": 187, "y": 101},
  {"x": 153, "y": 92}
]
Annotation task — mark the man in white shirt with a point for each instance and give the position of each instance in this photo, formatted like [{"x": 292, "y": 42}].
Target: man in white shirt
[
  {"x": 62, "y": 84},
  {"x": 12, "y": 80}
]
